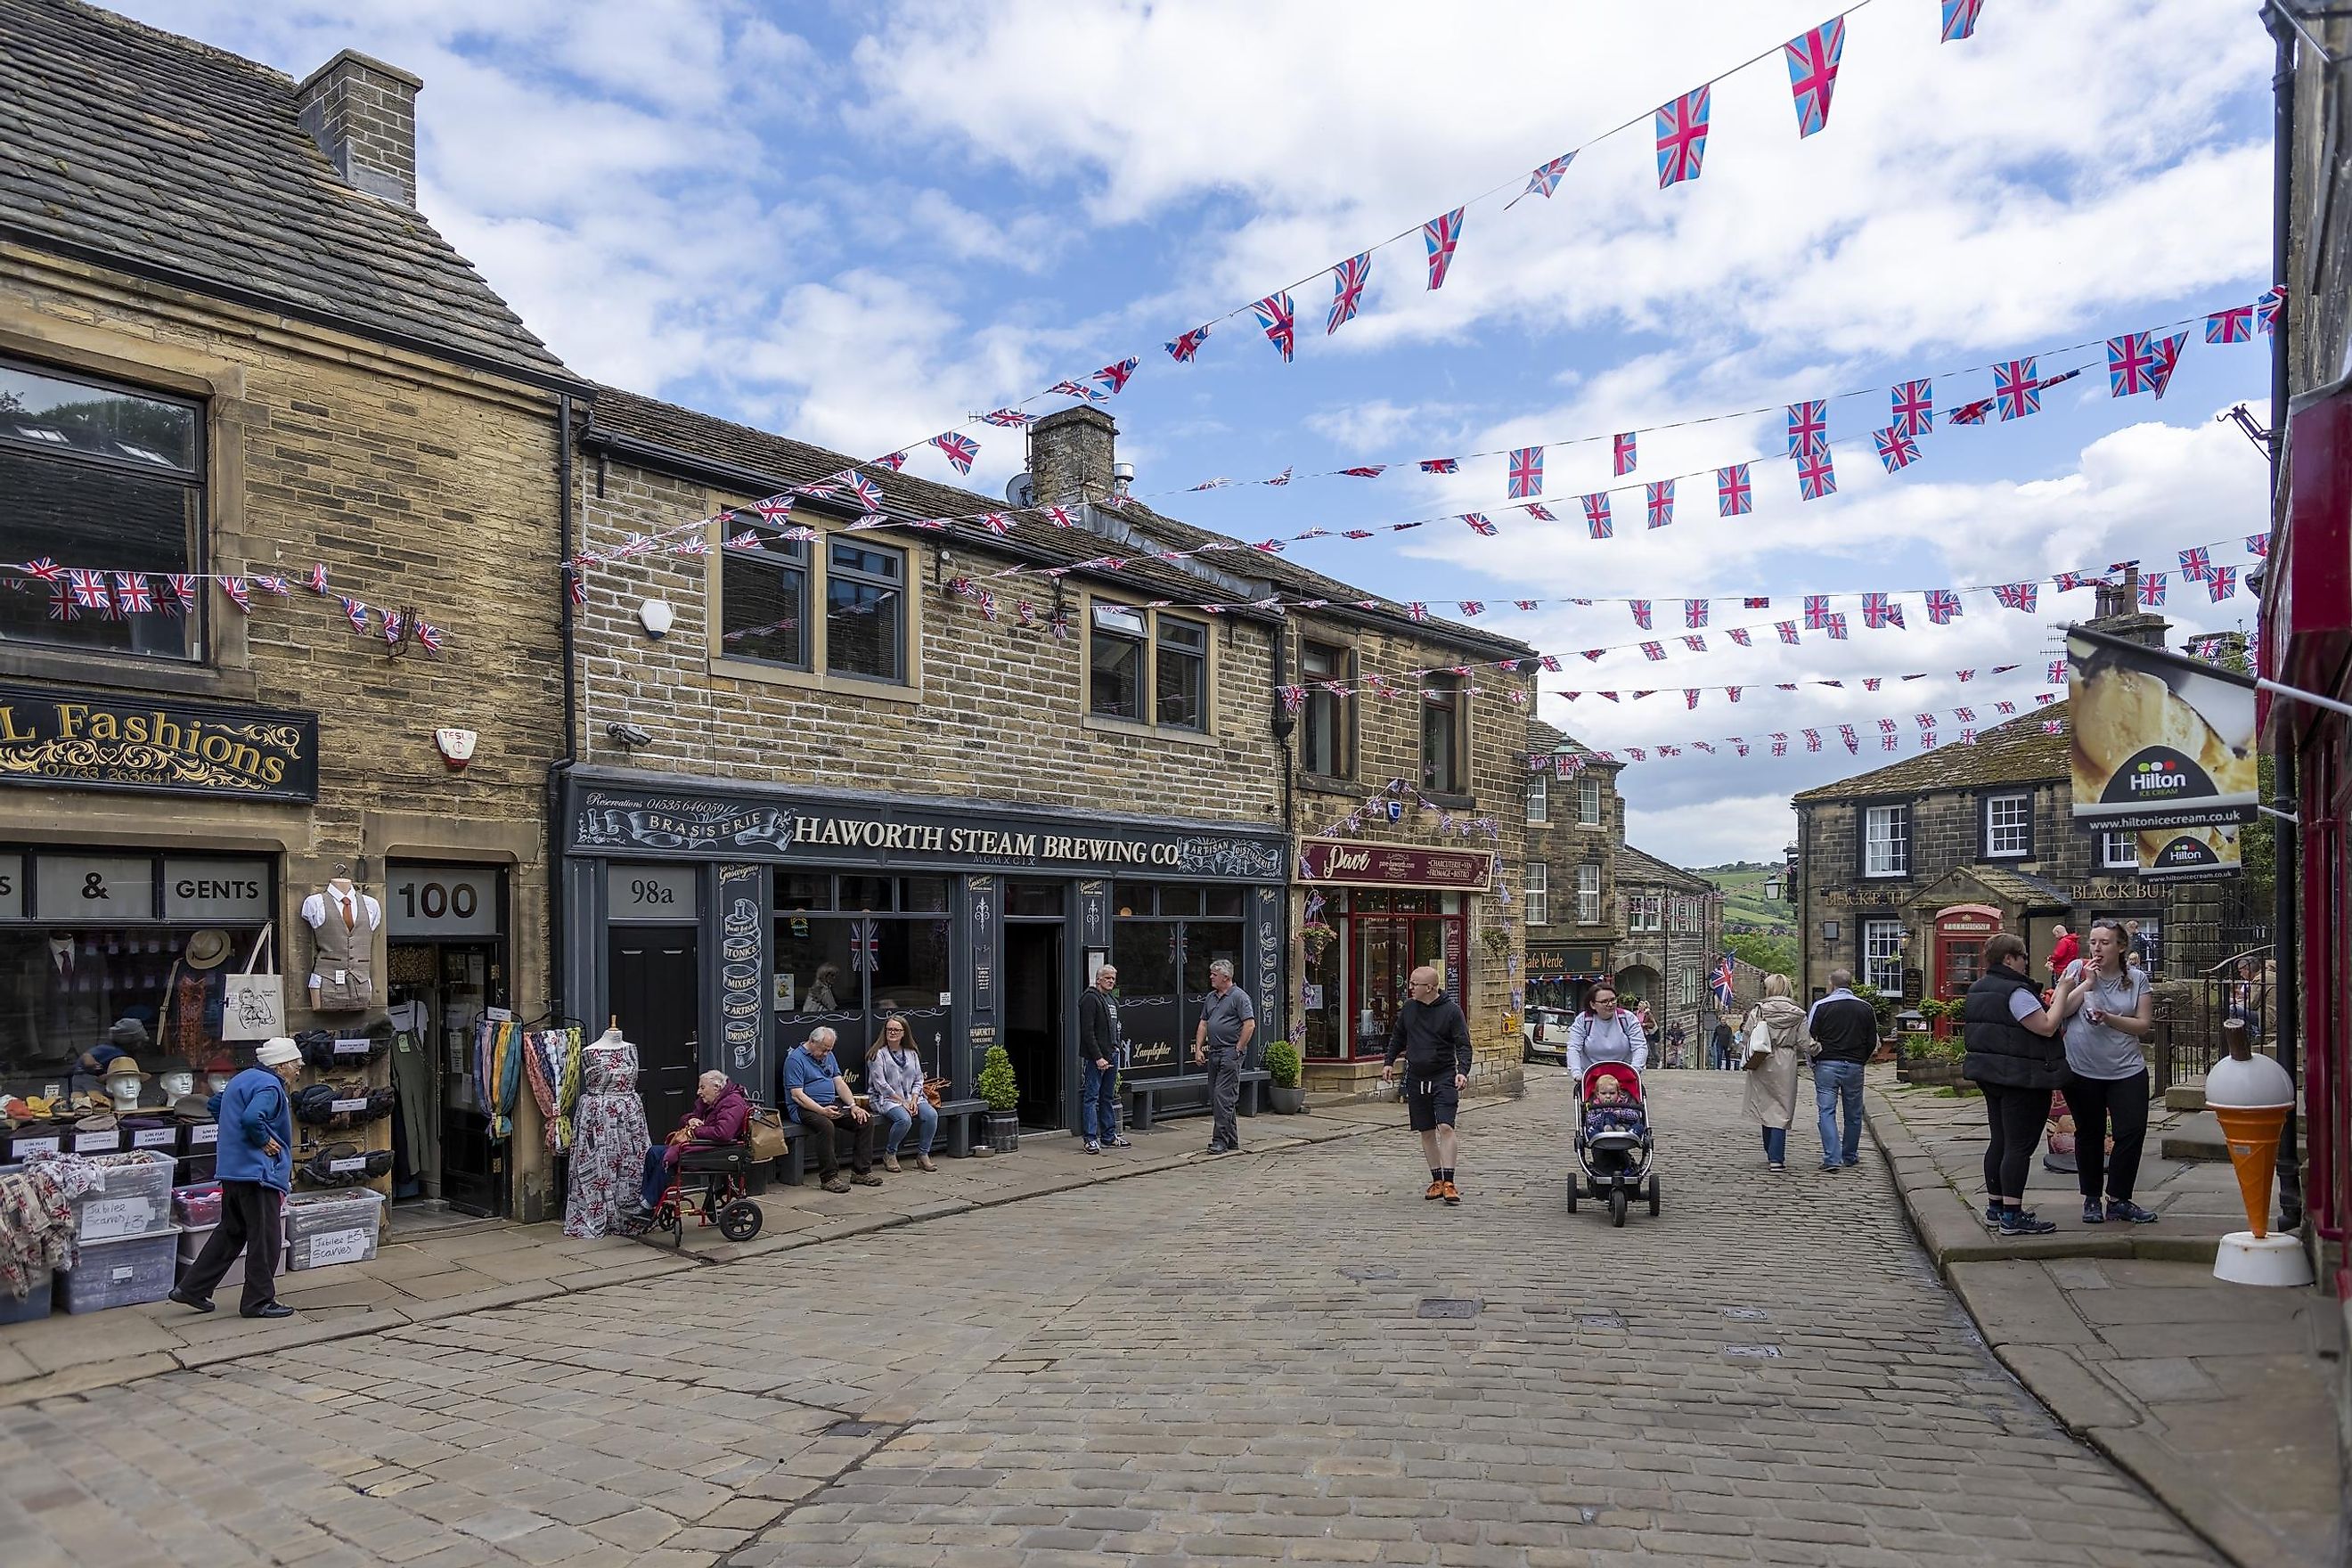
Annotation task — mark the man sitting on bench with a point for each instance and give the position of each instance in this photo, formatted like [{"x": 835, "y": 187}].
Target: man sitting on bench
[
  {"x": 717, "y": 1117},
  {"x": 819, "y": 1098}
]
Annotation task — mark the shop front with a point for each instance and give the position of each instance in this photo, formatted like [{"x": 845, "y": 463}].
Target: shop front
[
  {"x": 446, "y": 966},
  {"x": 1559, "y": 976},
  {"x": 1374, "y": 913},
  {"x": 722, "y": 925}
]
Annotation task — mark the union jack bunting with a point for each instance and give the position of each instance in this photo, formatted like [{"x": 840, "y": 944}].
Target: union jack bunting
[
  {"x": 1682, "y": 137},
  {"x": 2223, "y": 581},
  {"x": 1813, "y": 72},
  {"x": 184, "y": 587},
  {"x": 318, "y": 578},
  {"x": 579, "y": 593},
  {"x": 1348, "y": 281},
  {"x": 1637, "y": 754},
  {"x": 2151, "y": 588},
  {"x": 1809, "y": 426},
  {"x": 238, "y": 593},
  {"x": 1621, "y": 452},
  {"x": 1895, "y": 449},
  {"x": 1281, "y": 478},
  {"x": 1280, "y": 320},
  {"x": 1418, "y": 612},
  {"x": 1845, "y": 733},
  {"x": 2067, "y": 581},
  {"x": 1780, "y": 748},
  {"x": 1816, "y": 474},
  {"x": 1440, "y": 465},
  {"x": 996, "y": 523},
  {"x": 1659, "y": 499},
  {"x": 1654, "y": 650},
  {"x": 868, "y": 493},
  {"x": 1834, "y": 624},
  {"x": 1112, "y": 378},
  {"x": 1740, "y": 635},
  {"x": 2234, "y": 325},
  {"x": 1886, "y": 742},
  {"x": 132, "y": 593},
  {"x": 2168, "y": 359},
  {"x": 1695, "y": 644},
  {"x": 2266, "y": 309},
  {"x": 1787, "y": 630},
  {"x": 2257, "y": 545},
  {"x": 1544, "y": 181},
  {"x": 356, "y": 613},
  {"x": 776, "y": 510},
  {"x": 2054, "y": 726},
  {"x": 1872, "y": 682},
  {"x": 1971, "y": 412},
  {"x": 1878, "y": 611},
  {"x": 1541, "y": 512},
  {"x": 1915, "y": 407},
  {"x": 1695, "y": 611},
  {"x": 1440, "y": 235},
  {"x": 1525, "y": 472},
  {"x": 1961, "y": 19},
  {"x": 1690, "y": 697},
  {"x": 1182, "y": 347},
  {"x": 961, "y": 449},
  {"x": 1942, "y": 606},
  {"x": 1471, "y": 606},
  {"x": 1926, "y": 720},
  {"x": 894, "y": 462},
  {"x": 1968, "y": 737},
  {"x": 1547, "y": 660},
  {"x": 1641, "y": 608},
  {"x": 1369, "y": 471},
  {"x": 1733, "y": 498},
  {"x": 1479, "y": 523},
  {"x": 392, "y": 625},
  {"x": 1293, "y": 698},
  {"x": 2004, "y": 707},
  {"x": 1007, "y": 418},
  {"x": 2017, "y": 388},
  {"x": 1596, "y": 514},
  {"x": 1817, "y": 611},
  {"x": 1926, "y": 740},
  {"x": 2131, "y": 365},
  {"x": 89, "y": 589},
  {"x": 1077, "y": 389},
  {"x": 1965, "y": 715},
  {"x": 44, "y": 570},
  {"x": 2195, "y": 562},
  {"x": 1733, "y": 692},
  {"x": 1812, "y": 740}
]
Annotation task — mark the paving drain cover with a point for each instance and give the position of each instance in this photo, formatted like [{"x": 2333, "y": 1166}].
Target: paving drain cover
[
  {"x": 1360, "y": 1273},
  {"x": 1600, "y": 1321},
  {"x": 854, "y": 1428},
  {"x": 1747, "y": 1314},
  {"x": 1447, "y": 1307},
  {"x": 1757, "y": 1353}
]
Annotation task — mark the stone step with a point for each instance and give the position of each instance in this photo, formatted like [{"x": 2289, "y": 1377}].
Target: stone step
[
  {"x": 2195, "y": 1138},
  {"x": 2187, "y": 1095}
]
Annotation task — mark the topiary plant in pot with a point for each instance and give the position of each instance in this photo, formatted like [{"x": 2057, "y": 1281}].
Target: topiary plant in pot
[
  {"x": 1002, "y": 1090},
  {"x": 1282, "y": 1066}
]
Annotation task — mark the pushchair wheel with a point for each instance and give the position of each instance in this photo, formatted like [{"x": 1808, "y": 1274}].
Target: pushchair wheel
[
  {"x": 739, "y": 1221},
  {"x": 1573, "y": 1181},
  {"x": 1617, "y": 1206},
  {"x": 1654, "y": 1194}
]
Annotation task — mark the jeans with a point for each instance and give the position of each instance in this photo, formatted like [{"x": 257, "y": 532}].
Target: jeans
[
  {"x": 1225, "y": 1096},
  {"x": 249, "y": 1220},
  {"x": 1098, "y": 1101},
  {"x": 2016, "y": 1117},
  {"x": 1776, "y": 1145},
  {"x": 896, "y": 1120},
  {"x": 657, "y": 1179},
  {"x": 2095, "y": 1102},
  {"x": 1835, "y": 1082}
]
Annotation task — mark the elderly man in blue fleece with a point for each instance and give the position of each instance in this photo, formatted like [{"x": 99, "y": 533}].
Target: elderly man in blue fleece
[{"x": 255, "y": 1167}]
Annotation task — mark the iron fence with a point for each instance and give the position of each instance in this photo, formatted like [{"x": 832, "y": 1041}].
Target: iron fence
[{"x": 2214, "y": 970}]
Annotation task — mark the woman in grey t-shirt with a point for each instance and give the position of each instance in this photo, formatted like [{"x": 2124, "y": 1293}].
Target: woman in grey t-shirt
[{"x": 2109, "y": 1009}]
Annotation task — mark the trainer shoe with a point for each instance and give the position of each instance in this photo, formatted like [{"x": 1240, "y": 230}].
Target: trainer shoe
[
  {"x": 836, "y": 1184},
  {"x": 1436, "y": 1190},
  {"x": 1116, "y": 1141},
  {"x": 2017, "y": 1222},
  {"x": 2125, "y": 1209},
  {"x": 1993, "y": 1212},
  {"x": 865, "y": 1179},
  {"x": 1453, "y": 1193},
  {"x": 1093, "y": 1147},
  {"x": 2092, "y": 1212}
]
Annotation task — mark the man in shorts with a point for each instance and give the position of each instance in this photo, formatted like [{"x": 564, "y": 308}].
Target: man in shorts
[{"x": 1434, "y": 1038}]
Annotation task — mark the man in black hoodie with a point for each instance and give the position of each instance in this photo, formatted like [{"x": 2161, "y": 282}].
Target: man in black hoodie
[{"x": 1434, "y": 1038}]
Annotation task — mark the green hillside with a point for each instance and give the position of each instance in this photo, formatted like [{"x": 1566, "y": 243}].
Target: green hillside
[{"x": 1761, "y": 931}]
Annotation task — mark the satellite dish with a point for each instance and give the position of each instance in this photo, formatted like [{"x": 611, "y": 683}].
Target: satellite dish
[{"x": 1022, "y": 491}]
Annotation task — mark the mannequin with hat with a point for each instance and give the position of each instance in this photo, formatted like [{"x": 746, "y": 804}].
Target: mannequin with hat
[{"x": 195, "y": 997}]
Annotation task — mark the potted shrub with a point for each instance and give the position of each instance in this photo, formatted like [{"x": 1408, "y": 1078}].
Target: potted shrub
[
  {"x": 998, "y": 1087},
  {"x": 1283, "y": 1093}
]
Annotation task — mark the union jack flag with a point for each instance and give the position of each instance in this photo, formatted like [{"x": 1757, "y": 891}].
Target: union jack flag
[
  {"x": 776, "y": 510},
  {"x": 1077, "y": 389},
  {"x": 1834, "y": 624},
  {"x": 1972, "y": 412},
  {"x": 2223, "y": 582},
  {"x": 1845, "y": 733},
  {"x": 1621, "y": 452},
  {"x": 1942, "y": 606},
  {"x": 1007, "y": 418},
  {"x": 1732, "y": 693},
  {"x": 1732, "y": 496},
  {"x": 1961, "y": 19},
  {"x": 1654, "y": 650},
  {"x": 89, "y": 589},
  {"x": 1813, "y": 72},
  {"x": 1740, "y": 635},
  {"x": 1348, "y": 281},
  {"x": 61, "y": 604},
  {"x": 1544, "y": 181},
  {"x": 1276, "y": 314},
  {"x": 1682, "y": 137},
  {"x": 1722, "y": 983},
  {"x": 1808, "y": 426},
  {"x": 1596, "y": 514},
  {"x": 1471, "y": 606},
  {"x": 44, "y": 569},
  {"x": 1926, "y": 740},
  {"x": 2266, "y": 309},
  {"x": 1479, "y": 523},
  {"x": 1886, "y": 726},
  {"x": 1695, "y": 644},
  {"x": 1817, "y": 611},
  {"x": 2234, "y": 325},
  {"x": 895, "y": 461},
  {"x": 1637, "y": 754},
  {"x": 996, "y": 523},
  {"x": 1695, "y": 611},
  {"x": 1659, "y": 500},
  {"x": 2195, "y": 562},
  {"x": 357, "y": 614},
  {"x": 275, "y": 584},
  {"x": 318, "y": 578},
  {"x": 1787, "y": 630},
  {"x": 1417, "y": 611},
  {"x": 184, "y": 588},
  {"x": 132, "y": 593},
  {"x": 1526, "y": 472},
  {"x": 2168, "y": 359},
  {"x": 1878, "y": 611},
  {"x": 1182, "y": 347},
  {"x": 1816, "y": 475},
  {"x": 242, "y": 596},
  {"x": 1915, "y": 407},
  {"x": 1641, "y": 608},
  {"x": 1281, "y": 478},
  {"x": 1370, "y": 471},
  {"x": 1539, "y": 512},
  {"x": 392, "y": 625},
  {"x": 961, "y": 449},
  {"x": 1548, "y": 661},
  {"x": 2257, "y": 545},
  {"x": 2054, "y": 726},
  {"x": 1440, "y": 235},
  {"x": 1965, "y": 715},
  {"x": 1895, "y": 449},
  {"x": 2017, "y": 388},
  {"x": 1812, "y": 740},
  {"x": 1926, "y": 720},
  {"x": 2151, "y": 588},
  {"x": 1780, "y": 748},
  {"x": 2131, "y": 365},
  {"x": 1440, "y": 465},
  {"x": 2067, "y": 581},
  {"x": 1112, "y": 378},
  {"x": 868, "y": 493},
  {"x": 2004, "y": 707}
]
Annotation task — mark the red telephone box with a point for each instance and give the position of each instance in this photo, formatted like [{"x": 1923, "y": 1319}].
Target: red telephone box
[{"x": 1960, "y": 933}]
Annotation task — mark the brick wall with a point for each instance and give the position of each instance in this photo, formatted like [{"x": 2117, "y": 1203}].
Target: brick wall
[{"x": 1563, "y": 844}]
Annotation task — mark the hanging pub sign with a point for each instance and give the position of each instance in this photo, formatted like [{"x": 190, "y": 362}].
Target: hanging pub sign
[
  {"x": 2159, "y": 742},
  {"x": 56, "y": 740},
  {"x": 2189, "y": 854}
]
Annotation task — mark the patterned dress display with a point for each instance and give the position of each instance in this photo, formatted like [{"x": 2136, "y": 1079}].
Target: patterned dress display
[{"x": 609, "y": 1140}]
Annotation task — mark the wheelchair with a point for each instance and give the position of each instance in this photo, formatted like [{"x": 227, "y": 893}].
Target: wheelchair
[{"x": 722, "y": 1197}]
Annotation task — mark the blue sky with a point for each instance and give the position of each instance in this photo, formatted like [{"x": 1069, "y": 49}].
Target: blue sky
[{"x": 859, "y": 223}]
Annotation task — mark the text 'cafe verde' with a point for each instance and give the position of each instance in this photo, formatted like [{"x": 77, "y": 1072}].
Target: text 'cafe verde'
[{"x": 721, "y": 929}]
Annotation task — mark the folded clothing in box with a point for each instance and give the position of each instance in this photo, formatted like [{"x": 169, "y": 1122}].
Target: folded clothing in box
[
  {"x": 337, "y": 1226},
  {"x": 133, "y": 1198},
  {"x": 198, "y": 1205},
  {"x": 120, "y": 1273}
]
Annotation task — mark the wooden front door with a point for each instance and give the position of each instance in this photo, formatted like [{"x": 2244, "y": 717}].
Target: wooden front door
[{"x": 657, "y": 998}]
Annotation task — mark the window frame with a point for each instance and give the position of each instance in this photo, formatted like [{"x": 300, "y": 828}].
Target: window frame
[
  {"x": 2107, "y": 862},
  {"x": 1539, "y": 797},
  {"x": 1899, "y": 811},
  {"x": 1593, "y": 787},
  {"x": 1646, "y": 912},
  {"x": 1148, "y": 678},
  {"x": 1538, "y": 893},
  {"x": 1454, "y": 698},
  {"x": 1161, "y": 649},
  {"x": 805, "y": 565},
  {"x": 1338, "y": 711},
  {"x": 861, "y": 577},
  {"x": 1865, "y": 929},
  {"x": 1588, "y": 900},
  {"x": 1988, "y": 827},
  {"x": 729, "y": 516}
]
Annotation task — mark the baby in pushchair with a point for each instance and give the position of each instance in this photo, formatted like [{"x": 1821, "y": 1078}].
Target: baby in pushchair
[
  {"x": 1611, "y": 1108},
  {"x": 1612, "y": 1140}
]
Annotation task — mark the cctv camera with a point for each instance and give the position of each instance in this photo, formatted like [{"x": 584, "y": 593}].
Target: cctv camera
[{"x": 630, "y": 735}]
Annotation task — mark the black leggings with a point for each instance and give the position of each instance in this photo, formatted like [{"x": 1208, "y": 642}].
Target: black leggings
[
  {"x": 2095, "y": 1102},
  {"x": 2017, "y": 1117}
]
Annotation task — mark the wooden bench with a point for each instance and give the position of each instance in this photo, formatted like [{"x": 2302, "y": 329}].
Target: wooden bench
[
  {"x": 1142, "y": 1096},
  {"x": 957, "y": 1118}
]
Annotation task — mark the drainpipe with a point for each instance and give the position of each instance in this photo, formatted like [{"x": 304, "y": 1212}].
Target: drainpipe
[
  {"x": 2285, "y": 866},
  {"x": 555, "y": 930},
  {"x": 1278, "y": 643}
]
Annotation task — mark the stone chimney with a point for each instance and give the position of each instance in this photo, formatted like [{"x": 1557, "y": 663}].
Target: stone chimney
[
  {"x": 1071, "y": 454},
  {"x": 362, "y": 114},
  {"x": 2118, "y": 612}
]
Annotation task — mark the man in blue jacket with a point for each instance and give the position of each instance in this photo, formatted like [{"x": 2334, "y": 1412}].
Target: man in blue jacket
[{"x": 255, "y": 1167}]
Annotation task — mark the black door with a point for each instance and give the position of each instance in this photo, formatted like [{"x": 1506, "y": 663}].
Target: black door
[
  {"x": 1032, "y": 1018},
  {"x": 656, "y": 996}
]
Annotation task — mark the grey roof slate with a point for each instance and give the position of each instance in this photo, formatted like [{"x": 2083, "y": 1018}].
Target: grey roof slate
[
  {"x": 161, "y": 154},
  {"x": 2015, "y": 751},
  {"x": 1638, "y": 867}
]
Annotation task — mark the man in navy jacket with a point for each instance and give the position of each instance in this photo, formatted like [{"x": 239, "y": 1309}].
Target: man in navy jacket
[{"x": 255, "y": 1167}]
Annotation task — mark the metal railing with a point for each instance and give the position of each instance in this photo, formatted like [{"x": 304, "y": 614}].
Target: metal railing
[{"x": 2241, "y": 983}]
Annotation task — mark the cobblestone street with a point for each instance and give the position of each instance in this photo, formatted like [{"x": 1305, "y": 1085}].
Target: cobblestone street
[{"x": 1234, "y": 1361}]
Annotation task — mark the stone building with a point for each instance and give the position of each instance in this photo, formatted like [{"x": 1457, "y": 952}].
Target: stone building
[
  {"x": 943, "y": 758},
  {"x": 1575, "y": 828},
  {"x": 1672, "y": 935},
  {"x": 279, "y": 439}
]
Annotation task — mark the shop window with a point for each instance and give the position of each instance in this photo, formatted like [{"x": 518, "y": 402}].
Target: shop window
[
  {"x": 1881, "y": 955},
  {"x": 1588, "y": 894},
  {"x": 923, "y": 894},
  {"x": 800, "y": 891},
  {"x": 2009, "y": 827},
  {"x": 1886, "y": 841},
  {"x": 1132, "y": 898},
  {"x": 1588, "y": 803},
  {"x": 1539, "y": 797},
  {"x": 1115, "y": 663},
  {"x": 106, "y": 482},
  {"x": 1539, "y": 893},
  {"x": 848, "y": 972},
  {"x": 1223, "y": 903},
  {"x": 1327, "y": 716},
  {"x": 1180, "y": 900},
  {"x": 1441, "y": 735},
  {"x": 763, "y": 597},
  {"x": 865, "y": 893},
  {"x": 1181, "y": 662},
  {"x": 865, "y": 611}
]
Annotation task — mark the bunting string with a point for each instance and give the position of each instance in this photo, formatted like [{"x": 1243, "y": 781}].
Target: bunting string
[
  {"x": 111, "y": 595},
  {"x": 1954, "y": 726}
]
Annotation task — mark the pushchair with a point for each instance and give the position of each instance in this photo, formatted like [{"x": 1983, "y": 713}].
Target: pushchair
[
  {"x": 723, "y": 1199},
  {"x": 1614, "y": 1163}
]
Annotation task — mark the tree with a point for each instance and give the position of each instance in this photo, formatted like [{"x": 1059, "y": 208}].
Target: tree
[{"x": 1772, "y": 954}]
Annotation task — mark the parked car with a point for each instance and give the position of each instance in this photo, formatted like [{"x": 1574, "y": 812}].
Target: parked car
[{"x": 1544, "y": 1033}]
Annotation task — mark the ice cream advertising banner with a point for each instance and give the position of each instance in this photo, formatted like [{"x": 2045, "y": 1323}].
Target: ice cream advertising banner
[
  {"x": 2189, "y": 854},
  {"x": 2158, "y": 742}
]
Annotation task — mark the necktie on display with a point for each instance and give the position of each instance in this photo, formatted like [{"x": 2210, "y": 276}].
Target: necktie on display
[{"x": 350, "y": 921}]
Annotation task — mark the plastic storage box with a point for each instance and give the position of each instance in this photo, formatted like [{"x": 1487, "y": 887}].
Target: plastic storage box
[
  {"x": 36, "y": 1303},
  {"x": 135, "y": 1198},
  {"x": 122, "y": 1273},
  {"x": 196, "y": 1205},
  {"x": 192, "y": 1242},
  {"x": 337, "y": 1226}
]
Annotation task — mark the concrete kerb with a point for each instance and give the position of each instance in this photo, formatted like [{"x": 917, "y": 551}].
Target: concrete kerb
[{"x": 352, "y": 1322}]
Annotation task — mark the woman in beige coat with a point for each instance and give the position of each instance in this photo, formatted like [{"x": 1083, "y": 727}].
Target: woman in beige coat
[{"x": 1771, "y": 1097}]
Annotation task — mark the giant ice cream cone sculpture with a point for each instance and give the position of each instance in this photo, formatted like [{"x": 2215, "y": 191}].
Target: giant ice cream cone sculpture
[
  {"x": 2251, "y": 1096},
  {"x": 2252, "y": 1132}
]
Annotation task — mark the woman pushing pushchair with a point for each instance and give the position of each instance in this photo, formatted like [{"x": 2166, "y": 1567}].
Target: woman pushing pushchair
[{"x": 1604, "y": 1033}]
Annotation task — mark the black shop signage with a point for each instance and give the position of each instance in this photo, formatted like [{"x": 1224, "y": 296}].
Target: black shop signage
[
  {"x": 60, "y": 741},
  {"x": 909, "y": 836}
]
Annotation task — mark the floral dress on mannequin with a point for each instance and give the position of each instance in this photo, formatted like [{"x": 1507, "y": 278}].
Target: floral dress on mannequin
[{"x": 609, "y": 1138}]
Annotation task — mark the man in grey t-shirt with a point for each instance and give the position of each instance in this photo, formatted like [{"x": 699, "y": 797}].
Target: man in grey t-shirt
[{"x": 1228, "y": 1020}]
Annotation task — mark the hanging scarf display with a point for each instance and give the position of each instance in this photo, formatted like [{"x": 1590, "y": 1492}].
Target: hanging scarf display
[
  {"x": 551, "y": 1060},
  {"x": 498, "y": 1074}
]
